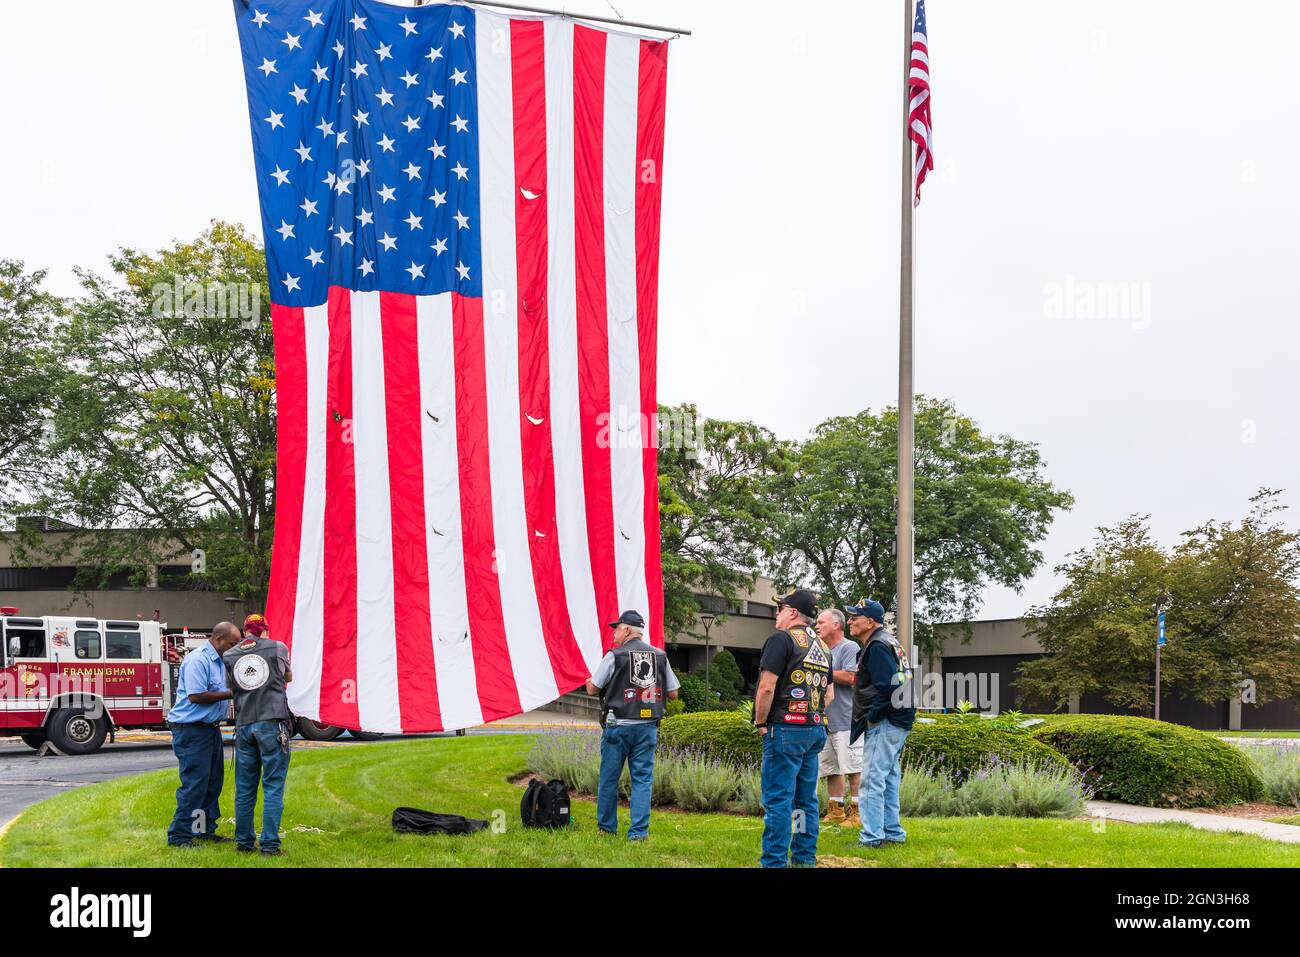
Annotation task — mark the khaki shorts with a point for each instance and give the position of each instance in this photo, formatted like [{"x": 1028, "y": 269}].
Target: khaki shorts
[{"x": 839, "y": 757}]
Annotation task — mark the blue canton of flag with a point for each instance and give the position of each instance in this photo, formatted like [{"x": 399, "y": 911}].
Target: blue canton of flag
[{"x": 365, "y": 141}]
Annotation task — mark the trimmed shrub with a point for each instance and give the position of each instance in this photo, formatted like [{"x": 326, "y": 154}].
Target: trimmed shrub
[
  {"x": 721, "y": 735},
  {"x": 691, "y": 693},
  {"x": 959, "y": 748},
  {"x": 725, "y": 679},
  {"x": 674, "y": 706},
  {"x": 1155, "y": 763}
]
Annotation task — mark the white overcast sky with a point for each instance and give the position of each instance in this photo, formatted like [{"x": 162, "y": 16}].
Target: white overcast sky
[{"x": 1087, "y": 147}]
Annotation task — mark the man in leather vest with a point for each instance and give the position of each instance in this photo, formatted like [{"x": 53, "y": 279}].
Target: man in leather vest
[
  {"x": 882, "y": 709},
  {"x": 794, "y": 687},
  {"x": 633, "y": 682},
  {"x": 257, "y": 669}
]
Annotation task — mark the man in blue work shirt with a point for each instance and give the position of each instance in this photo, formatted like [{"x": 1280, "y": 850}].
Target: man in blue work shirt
[{"x": 201, "y": 696}]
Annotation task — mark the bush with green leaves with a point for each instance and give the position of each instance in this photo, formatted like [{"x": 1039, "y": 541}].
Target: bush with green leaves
[
  {"x": 723, "y": 735},
  {"x": 1154, "y": 763},
  {"x": 959, "y": 746},
  {"x": 725, "y": 681},
  {"x": 1008, "y": 789},
  {"x": 1278, "y": 768},
  {"x": 691, "y": 693}
]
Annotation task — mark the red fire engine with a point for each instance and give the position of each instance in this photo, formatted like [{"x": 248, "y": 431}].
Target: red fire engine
[{"x": 71, "y": 681}]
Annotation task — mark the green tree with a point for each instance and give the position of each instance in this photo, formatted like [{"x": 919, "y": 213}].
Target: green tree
[
  {"x": 164, "y": 423},
  {"x": 1233, "y": 616},
  {"x": 725, "y": 679},
  {"x": 982, "y": 505},
  {"x": 28, "y": 368},
  {"x": 715, "y": 521}
]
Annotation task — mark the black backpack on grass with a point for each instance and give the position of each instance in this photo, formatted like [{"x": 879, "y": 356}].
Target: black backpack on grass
[{"x": 545, "y": 805}]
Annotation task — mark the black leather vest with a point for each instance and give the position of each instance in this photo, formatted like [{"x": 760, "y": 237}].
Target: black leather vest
[
  {"x": 865, "y": 693},
  {"x": 800, "y": 697},
  {"x": 640, "y": 682}
]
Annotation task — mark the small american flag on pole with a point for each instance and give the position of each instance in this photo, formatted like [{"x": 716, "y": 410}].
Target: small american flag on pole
[
  {"x": 461, "y": 213},
  {"x": 918, "y": 83}
]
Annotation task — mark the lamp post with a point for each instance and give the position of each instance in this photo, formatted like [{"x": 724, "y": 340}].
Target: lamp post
[
  {"x": 707, "y": 621},
  {"x": 1161, "y": 606}
]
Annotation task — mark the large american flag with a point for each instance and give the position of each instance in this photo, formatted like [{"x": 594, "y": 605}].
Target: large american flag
[
  {"x": 461, "y": 212},
  {"x": 918, "y": 87}
]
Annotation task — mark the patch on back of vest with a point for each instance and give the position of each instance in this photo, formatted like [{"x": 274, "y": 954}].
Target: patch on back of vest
[
  {"x": 816, "y": 657},
  {"x": 248, "y": 643},
  {"x": 251, "y": 672},
  {"x": 642, "y": 668}
]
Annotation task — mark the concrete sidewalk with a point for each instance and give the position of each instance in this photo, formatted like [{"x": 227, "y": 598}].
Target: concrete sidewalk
[
  {"x": 543, "y": 721},
  {"x": 1136, "y": 814}
]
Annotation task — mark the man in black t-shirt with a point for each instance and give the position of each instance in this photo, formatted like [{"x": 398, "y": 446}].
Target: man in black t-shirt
[{"x": 794, "y": 687}]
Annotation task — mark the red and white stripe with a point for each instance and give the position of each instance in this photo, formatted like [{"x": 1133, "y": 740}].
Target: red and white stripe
[
  {"x": 918, "y": 120},
  {"x": 467, "y": 489}
]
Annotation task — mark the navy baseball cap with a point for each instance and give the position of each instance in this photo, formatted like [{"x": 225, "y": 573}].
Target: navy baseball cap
[
  {"x": 632, "y": 618},
  {"x": 868, "y": 609},
  {"x": 802, "y": 601}
]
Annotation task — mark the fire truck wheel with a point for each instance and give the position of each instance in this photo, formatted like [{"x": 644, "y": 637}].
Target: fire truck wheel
[
  {"x": 315, "y": 731},
  {"x": 73, "y": 731},
  {"x": 33, "y": 741},
  {"x": 365, "y": 735}
]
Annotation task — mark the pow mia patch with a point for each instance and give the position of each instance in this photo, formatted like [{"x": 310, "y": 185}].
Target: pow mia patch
[
  {"x": 642, "y": 668},
  {"x": 251, "y": 672}
]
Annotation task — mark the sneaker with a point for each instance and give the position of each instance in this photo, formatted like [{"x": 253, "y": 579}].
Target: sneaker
[
  {"x": 835, "y": 814},
  {"x": 272, "y": 851}
]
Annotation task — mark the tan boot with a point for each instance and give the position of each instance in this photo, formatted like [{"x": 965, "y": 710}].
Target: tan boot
[
  {"x": 851, "y": 818},
  {"x": 835, "y": 813}
]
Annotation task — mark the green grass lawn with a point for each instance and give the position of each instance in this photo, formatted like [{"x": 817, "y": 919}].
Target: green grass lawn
[
  {"x": 349, "y": 793},
  {"x": 1256, "y": 734}
]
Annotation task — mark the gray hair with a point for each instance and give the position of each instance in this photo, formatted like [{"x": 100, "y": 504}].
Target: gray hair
[
  {"x": 837, "y": 616},
  {"x": 635, "y": 631}
]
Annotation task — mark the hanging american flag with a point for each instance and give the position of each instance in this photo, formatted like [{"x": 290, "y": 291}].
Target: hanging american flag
[
  {"x": 461, "y": 212},
  {"x": 918, "y": 83}
]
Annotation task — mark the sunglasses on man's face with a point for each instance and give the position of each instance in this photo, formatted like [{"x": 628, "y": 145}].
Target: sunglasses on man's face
[
  {"x": 781, "y": 608},
  {"x": 853, "y": 618}
]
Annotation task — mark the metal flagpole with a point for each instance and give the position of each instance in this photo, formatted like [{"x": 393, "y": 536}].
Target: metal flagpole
[{"x": 906, "y": 430}]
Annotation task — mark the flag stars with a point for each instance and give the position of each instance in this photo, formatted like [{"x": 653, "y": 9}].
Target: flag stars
[
  {"x": 303, "y": 151},
  {"x": 434, "y": 54},
  {"x": 462, "y": 221},
  {"x": 365, "y": 217},
  {"x": 410, "y": 79},
  {"x": 314, "y": 257},
  {"x": 268, "y": 67},
  {"x": 260, "y": 19},
  {"x": 341, "y": 137},
  {"x": 414, "y": 221},
  {"x": 366, "y": 267},
  {"x": 438, "y": 198},
  {"x": 408, "y": 26},
  {"x": 342, "y": 185},
  {"x": 285, "y": 230},
  {"x": 412, "y": 172},
  {"x": 438, "y": 150},
  {"x": 462, "y": 270},
  {"x": 439, "y": 247},
  {"x": 388, "y": 242},
  {"x": 338, "y": 49},
  {"x": 322, "y": 73},
  {"x": 386, "y": 144},
  {"x": 411, "y": 124},
  {"x": 361, "y": 118},
  {"x": 386, "y": 193},
  {"x": 290, "y": 282},
  {"x": 359, "y": 69},
  {"x": 457, "y": 29},
  {"x": 363, "y": 168},
  {"x": 385, "y": 98},
  {"x": 292, "y": 41},
  {"x": 460, "y": 171},
  {"x": 358, "y": 23},
  {"x": 275, "y": 119},
  {"x": 309, "y": 207},
  {"x": 343, "y": 236},
  {"x": 385, "y": 51},
  {"x": 462, "y": 125},
  {"x": 435, "y": 98},
  {"x": 298, "y": 93},
  {"x": 313, "y": 18},
  {"x": 417, "y": 272},
  {"x": 326, "y": 128},
  {"x": 458, "y": 77},
  {"x": 281, "y": 176}
]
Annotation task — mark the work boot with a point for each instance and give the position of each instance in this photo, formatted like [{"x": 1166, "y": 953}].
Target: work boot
[
  {"x": 851, "y": 818},
  {"x": 835, "y": 813}
]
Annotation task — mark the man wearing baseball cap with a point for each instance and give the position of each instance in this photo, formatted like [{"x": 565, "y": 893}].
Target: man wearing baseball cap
[
  {"x": 882, "y": 708},
  {"x": 633, "y": 681},
  {"x": 794, "y": 687}
]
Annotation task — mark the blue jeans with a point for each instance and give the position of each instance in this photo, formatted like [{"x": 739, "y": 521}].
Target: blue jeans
[
  {"x": 789, "y": 781},
  {"x": 635, "y": 744},
  {"x": 881, "y": 772},
  {"x": 198, "y": 752},
  {"x": 259, "y": 752}
]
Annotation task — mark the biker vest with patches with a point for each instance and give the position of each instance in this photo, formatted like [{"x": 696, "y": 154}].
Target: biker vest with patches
[
  {"x": 800, "y": 697},
  {"x": 865, "y": 692},
  {"x": 640, "y": 682},
  {"x": 255, "y": 670}
]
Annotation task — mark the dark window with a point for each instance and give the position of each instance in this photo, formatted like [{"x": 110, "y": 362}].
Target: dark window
[
  {"x": 25, "y": 642},
  {"x": 36, "y": 579},
  {"x": 87, "y": 644},
  {"x": 717, "y": 606},
  {"x": 180, "y": 578},
  {"x": 761, "y": 610},
  {"x": 123, "y": 644}
]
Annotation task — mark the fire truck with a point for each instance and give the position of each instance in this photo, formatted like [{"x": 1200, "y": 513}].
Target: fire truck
[{"x": 73, "y": 681}]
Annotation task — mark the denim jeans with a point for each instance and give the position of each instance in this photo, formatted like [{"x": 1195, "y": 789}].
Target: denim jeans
[
  {"x": 789, "y": 782},
  {"x": 881, "y": 771},
  {"x": 198, "y": 752},
  {"x": 259, "y": 752},
  {"x": 635, "y": 744}
]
